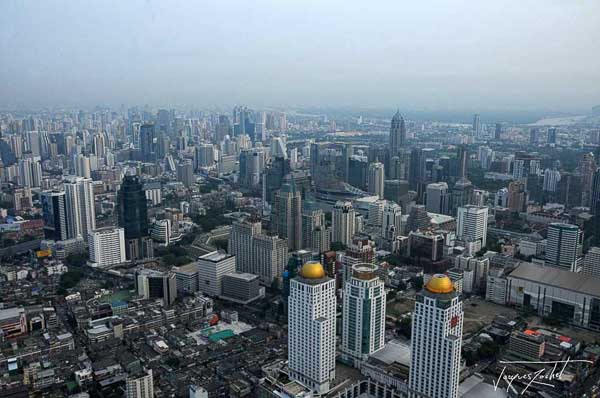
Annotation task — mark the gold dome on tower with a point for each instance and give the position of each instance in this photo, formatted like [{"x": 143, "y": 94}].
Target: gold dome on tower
[
  {"x": 312, "y": 270},
  {"x": 440, "y": 283}
]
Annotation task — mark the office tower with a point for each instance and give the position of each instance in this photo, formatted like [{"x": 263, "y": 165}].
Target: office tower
[
  {"x": 551, "y": 180},
  {"x": 517, "y": 196},
  {"x": 395, "y": 190},
  {"x": 591, "y": 262},
  {"x": 255, "y": 253},
  {"x": 81, "y": 213},
  {"x": 312, "y": 218},
  {"x": 33, "y": 143},
  {"x": 498, "y": 132},
  {"x": 132, "y": 210},
  {"x": 485, "y": 155},
  {"x": 252, "y": 164},
  {"x": 343, "y": 216},
  {"x": 551, "y": 136},
  {"x": 274, "y": 175},
  {"x": 437, "y": 198},
  {"x": 480, "y": 197},
  {"x": 163, "y": 121},
  {"x": 533, "y": 136},
  {"x": 375, "y": 179},
  {"x": 140, "y": 385},
  {"x": 425, "y": 244},
  {"x": 99, "y": 145},
  {"x": 436, "y": 339},
  {"x": 417, "y": 172},
  {"x": 564, "y": 246},
  {"x": 185, "y": 172},
  {"x": 162, "y": 230},
  {"x": 204, "y": 156},
  {"x": 287, "y": 215},
  {"x": 471, "y": 224},
  {"x": 311, "y": 332},
  {"x": 587, "y": 169},
  {"x": 320, "y": 240},
  {"x": 476, "y": 125},
  {"x": 397, "y": 134},
  {"x": 223, "y": 128},
  {"x": 391, "y": 225},
  {"x": 22, "y": 199},
  {"x": 357, "y": 172},
  {"x": 148, "y": 143},
  {"x": 212, "y": 267},
  {"x": 107, "y": 247},
  {"x": 54, "y": 214},
  {"x": 363, "y": 319},
  {"x": 153, "y": 284},
  {"x": 418, "y": 219},
  {"x": 376, "y": 213}
]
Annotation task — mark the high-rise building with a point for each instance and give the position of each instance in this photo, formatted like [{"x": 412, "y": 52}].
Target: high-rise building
[
  {"x": 397, "y": 134},
  {"x": 551, "y": 136},
  {"x": 363, "y": 319},
  {"x": 476, "y": 125},
  {"x": 311, "y": 331},
  {"x": 343, "y": 223},
  {"x": 81, "y": 213},
  {"x": 517, "y": 196},
  {"x": 591, "y": 262},
  {"x": 287, "y": 215},
  {"x": 437, "y": 198},
  {"x": 107, "y": 247},
  {"x": 498, "y": 132},
  {"x": 313, "y": 218},
  {"x": 564, "y": 246},
  {"x": 204, "y": 156},
  {"x": 471, "y": 224},
  {"x": 551, "y": 180},
  {"x": 54, "y": 214},
  {"x": 436, "y": 341},
  {"x": 185, "y": 172},
  {"x": 140, "y": 385},
  {"x": 212, "y": 267},
  {"x": 375, "y": 179},
  {"x": 132, "y": 208},
  {"x": 418, "y": 219},
  {"x": 255, "y": 253},
  {"x": 148, "y": 143}
]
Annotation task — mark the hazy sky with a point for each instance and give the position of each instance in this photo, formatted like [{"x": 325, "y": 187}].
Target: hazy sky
[{"x": 417, "y": 54}]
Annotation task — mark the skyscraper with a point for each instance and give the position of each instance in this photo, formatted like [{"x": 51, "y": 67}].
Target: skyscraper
[
  {"x": 498, "y": 132},
  {"x": 311, "y": 336},
  {"x": 564, "y": 246},
  {"x": 476, "y": 125},
  {"x": 363, "y": 320},
  {"x": 436, "y": 341},
  {"x": 471, "y": 224},
  {"x": 343, "y": 222},
  {"x": 54, "y": 214},
  {"x": 551, "y": 136},
  {"x": 591, "y": 263},
  {"x": 148, "y": 143},
  {"x": 132, "y": 208},
  {"x": 397, "y": 134},
  {"x": 287, "y": 215},
  {"x": 81, "y": 213},
  {"x": 437, "y": 198},
  {"x": 376, "y": 177},
  {"x": 107, "y": 247}
]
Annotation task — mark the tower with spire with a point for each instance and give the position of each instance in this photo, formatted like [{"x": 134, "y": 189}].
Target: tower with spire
[{"x": 397, "y": 134}]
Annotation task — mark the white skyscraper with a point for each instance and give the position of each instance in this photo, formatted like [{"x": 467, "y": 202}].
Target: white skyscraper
[
  {"x": 211, "y": 269},
  {"x": 437, "y": 325},
  {"x": 471, "y": 224},
  {"x": 311, "y": 320},
  {"x": 375, "y": 179},
  {"x": 107, "y": 246},
  {"x": 591, "y": 263},
  {"x": 81, "y": 213},
  {"x": 391, "y": 225},
  {"x": 343, "y": 222},
  {"x": 564, "y": 246},
  {"x": 363, "y": 326}
]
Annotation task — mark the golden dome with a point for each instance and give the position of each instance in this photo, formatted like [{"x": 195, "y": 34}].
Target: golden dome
[
  {"x": 440, "y": 283},
  {"x": 313, "y": 270}
]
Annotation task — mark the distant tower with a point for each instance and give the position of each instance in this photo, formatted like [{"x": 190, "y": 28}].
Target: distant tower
[
  {"x": 498, "y": 132},
  {"x": 311, "y": 336},
  {"x": 476, "y": 125},
  {"x": 376, "y": 179},
  {"x": 81, "y": 212},
  {"x": 287, "y": 215},
  {"x": 437, "y": 325},
  {"x": 148, "y": 145},
  {"x": 437, "y": 198},
  {"x": 397, "y": 134},
  {"x": 343, "y": 222},
  {"x": 363, "y": 330}
]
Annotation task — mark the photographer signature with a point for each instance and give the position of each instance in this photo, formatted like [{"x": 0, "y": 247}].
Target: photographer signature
[{"x": 541, "y": 377}]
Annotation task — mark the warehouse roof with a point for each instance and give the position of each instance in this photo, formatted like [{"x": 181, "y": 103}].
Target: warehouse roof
[{"x": 551, "y": 276}]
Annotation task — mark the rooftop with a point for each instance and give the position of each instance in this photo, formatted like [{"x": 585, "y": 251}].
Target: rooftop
[
  {"x": 215, "y": 256},
  {"x": 551, "y": 276}
]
